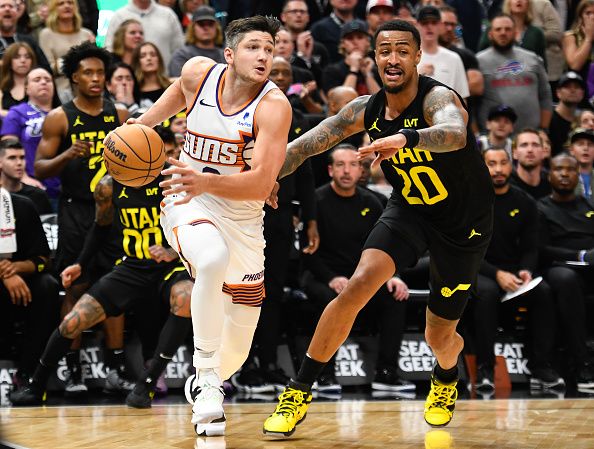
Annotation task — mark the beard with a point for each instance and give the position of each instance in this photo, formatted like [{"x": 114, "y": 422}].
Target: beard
[
  {"x": 563, "y": 191},
  {"x": 501, "y": 183},
  {"x": 502, "y": 48},
  {"x": 528, "y": 166},
  {"x": 394, "y": 89}
]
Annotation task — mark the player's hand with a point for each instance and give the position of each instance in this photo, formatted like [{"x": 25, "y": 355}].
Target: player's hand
[
  {"x": 313, "y": 237},
  {"x": 508, "y": 281},
  {"x": 383, "y": 148},
  {"x": 80, "y": 148},
  {"x": 6, "y": 268},
  {"x": 20, "y": 295},
  {"x": 338, "y": 283},
  {"x": 187, "y": 181},
  {"x": 525, "y": 275},
  {"x": 398, "y": 288},
  {"x": 272, "y": 199},
  {"x": 70, "y": 274},
  {"x": 160, "y": 254}
]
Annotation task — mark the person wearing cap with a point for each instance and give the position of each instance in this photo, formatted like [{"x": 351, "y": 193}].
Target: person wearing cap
[
  {"x": 570, "y": 92},
  {"x": 436, "y": 61},
  {"x": 500, "y": 124},
  {"x": 581, "y": 147},
  {"x": 357, "y": 69},
  {"x": 514, "y": 76},
  {"x": 327, "y": 31},
  {"x": 378, "y": 12},
  {"x": 161, "y": 26},
  {"x": 203, "y": 38}
]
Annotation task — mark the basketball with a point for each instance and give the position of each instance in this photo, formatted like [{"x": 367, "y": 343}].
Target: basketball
[{"x": 134, "y": 155}]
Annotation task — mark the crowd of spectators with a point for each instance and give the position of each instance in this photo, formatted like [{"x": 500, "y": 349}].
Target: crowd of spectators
[{"x": 524, "y": 67}]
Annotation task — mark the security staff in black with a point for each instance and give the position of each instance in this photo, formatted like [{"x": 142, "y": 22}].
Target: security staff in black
[
  {"x": 442, "y": 202},
  {"x": 148, "y": 273}
]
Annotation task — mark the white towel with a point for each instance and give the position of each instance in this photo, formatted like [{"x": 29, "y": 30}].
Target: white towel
[{"x": 8, "y": 244}]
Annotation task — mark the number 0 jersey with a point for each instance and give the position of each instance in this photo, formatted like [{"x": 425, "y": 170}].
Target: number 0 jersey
[
  {"x": 447, "y": 189},
  {"x": 221, "y": 142}
]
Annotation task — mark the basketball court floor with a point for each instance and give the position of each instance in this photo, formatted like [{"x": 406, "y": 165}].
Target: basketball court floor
[{"x": 354, "y": 422}]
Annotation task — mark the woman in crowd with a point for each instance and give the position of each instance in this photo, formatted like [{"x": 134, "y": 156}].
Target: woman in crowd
[
  {"x": 577, "y": 42},
  {"x": 125, "y": 40},
  {"x": 17, "y": 61},
  {"x": 122, "y": 86},
  {"x": 63, "y": 30},
  {"x": 149, "y": 69}
]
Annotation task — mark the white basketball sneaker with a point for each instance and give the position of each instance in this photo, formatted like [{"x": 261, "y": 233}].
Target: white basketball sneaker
[{"x": 206, "y": 395}]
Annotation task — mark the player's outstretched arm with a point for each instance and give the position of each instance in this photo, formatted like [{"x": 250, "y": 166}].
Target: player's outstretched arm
[{"x": 325, "y": 135}]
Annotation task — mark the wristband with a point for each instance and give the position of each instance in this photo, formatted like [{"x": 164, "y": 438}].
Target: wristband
[
  {"x": 412, "y": 137},
  {"x": 581, "y": 255}
]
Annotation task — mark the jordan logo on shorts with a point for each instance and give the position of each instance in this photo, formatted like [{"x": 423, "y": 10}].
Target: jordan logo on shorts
[
  {"x": 447, "y": 292},
  {"x": 473, "y": 233}
]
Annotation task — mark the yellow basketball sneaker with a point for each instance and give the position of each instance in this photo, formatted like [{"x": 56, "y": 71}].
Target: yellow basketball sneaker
[
  {"x": 290, "y": 411},
  {"x": 440, "y": 403}
]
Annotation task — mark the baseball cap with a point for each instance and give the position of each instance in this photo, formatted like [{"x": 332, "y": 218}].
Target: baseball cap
[
  {"x": 204, "y": 13},
  {"x": 502, "y": 110},
  {"x": 354, "y": 26},
  {"x": 373, "y": 3},
  {"x": 581, "y": 133},
  {"x": 428, "y": 13},
  {"x": 569, "y": 77}
]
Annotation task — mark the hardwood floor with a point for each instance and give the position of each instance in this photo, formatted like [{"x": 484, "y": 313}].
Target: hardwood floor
[{"x": 502, "y": 424}]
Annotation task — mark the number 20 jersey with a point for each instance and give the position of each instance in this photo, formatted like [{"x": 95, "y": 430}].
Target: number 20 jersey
[
  {"x": 222, "y": 142},
  {"x": 447, "y": 189}
]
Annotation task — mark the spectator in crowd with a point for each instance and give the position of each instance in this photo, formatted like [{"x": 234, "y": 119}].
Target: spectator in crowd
[
  {"x": 328, "y": 270},
  {"x": 546, "y": 147},
  {"x": 448, "y": 39},
  {"x": 500, "y": 127},
  {"x": 367, "y": 181},
  {"x": 23, "y": 20},
  {"x": 186, "y": 10},
  {"x": 203, "y": 38},
  {"x": 170, "y": 145},
  {"x": 577, "y": 41},
  {"x": 570, "y": 91},
  {"x": 378, "y": 12},
  {"x": 27, "y": 290},
  {"x": 63, "y": 30},
  {"x": 471, "y": 14},
  {"x": 24, "y": 122},
  {"x": 328, "y": 30},
  {"x": 530, "y": 175},
  {"x": 179, "y": 123},
  {"x": 581, "y": 146},
  {"x": 160, "y": 25},
  {"x": 526, "y": 35},
  {"x": 513, "y": 76},
  {"x": 279, "y": 233},
  {"x": 546, "y": 17},
  {"x": 12, "y": 166},
  {"x": 122, "y": 86},
  {"x": 37, "y": 11},
  {"x": 567, "y": 234},
  {"x": 586, "y": 119},
  {"x": 436, "y": 61},
  {"x": 510, "y": 262},
  {"x": 126, "y": 38},
  {"x": 357, "y": 68},
  {"x": 147, "y": 63},
  {"x": 17, "y": 61},
  {"x": 9, "y": 34}
]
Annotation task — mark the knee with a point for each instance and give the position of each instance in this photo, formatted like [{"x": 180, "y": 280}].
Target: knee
[
  {"x": 71, "y": 326},
  {"x": 180, "y": 299},
  {"x": 562, "y": 277},
  {"x": 212, "y": 264}
]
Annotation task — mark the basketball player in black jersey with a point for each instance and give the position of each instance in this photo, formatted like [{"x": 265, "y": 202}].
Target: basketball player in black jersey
[
  {"x": 148, "y": 271},
  {"x": 442, "y": 201},
  {"x": 71, "y": 147}
]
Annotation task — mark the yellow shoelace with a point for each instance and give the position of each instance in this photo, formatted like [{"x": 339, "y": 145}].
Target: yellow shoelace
[
  {"x": 443, "y": 395},
  {"x": 290, "y": 400}
]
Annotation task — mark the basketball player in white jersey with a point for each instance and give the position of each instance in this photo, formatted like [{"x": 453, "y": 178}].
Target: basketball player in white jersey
[{"x": 238, "y": 123}]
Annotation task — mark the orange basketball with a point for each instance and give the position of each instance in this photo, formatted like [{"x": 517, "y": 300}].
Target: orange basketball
[{"x": 134, "y": 155}]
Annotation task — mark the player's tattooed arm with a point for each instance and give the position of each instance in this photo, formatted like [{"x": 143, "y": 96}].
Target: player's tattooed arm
[
  {"x": 444, "y": 112},
  {"x": 86, "y": 313},
  {"x": 104, "y": 209},
  {"x": 325, "y": 135}
]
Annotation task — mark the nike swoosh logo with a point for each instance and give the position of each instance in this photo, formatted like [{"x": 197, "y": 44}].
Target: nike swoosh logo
[
  {"x": 204, "y": 104},
  {"x": 31, "y": 112}
]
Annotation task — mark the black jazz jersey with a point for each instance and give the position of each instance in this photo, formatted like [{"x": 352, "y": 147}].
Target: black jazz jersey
[
  {"x": 81, "y": 175},
  {"x": 138, "y": 213},
  {"x": 447, "y": 189}
]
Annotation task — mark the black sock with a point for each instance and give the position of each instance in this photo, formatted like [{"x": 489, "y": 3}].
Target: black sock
[
  {"x": 308, "y": 373},
  {"x": 55, "y": 349},
  {"x": 171, "y": 337},
  {"x": 446, "y": 375},
  {"x": 115, "y": 360}
]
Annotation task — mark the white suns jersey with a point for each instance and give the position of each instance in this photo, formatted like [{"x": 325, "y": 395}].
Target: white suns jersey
[{"x": 221, "y": 143}]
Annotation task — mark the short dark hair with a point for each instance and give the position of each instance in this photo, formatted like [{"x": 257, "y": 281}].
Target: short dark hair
[
  {"x": 340, "y": 146},
  {"x": 502, "y": 14},
  {"x": 166, "y": 135},
  {"x": 399, "y": 25},
  {"x": 71, "y": 60},
  {"x": 238, "y": 28},
  {"x": 486, "y": 150},
  {"x": 11, "y": 143}
]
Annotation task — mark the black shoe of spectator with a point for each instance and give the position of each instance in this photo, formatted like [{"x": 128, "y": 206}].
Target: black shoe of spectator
[
  {"x": 327, "y": 383},
  {"x": 484, "y": 378},
  {"x": 27, "y": 396},
  {"x": 20, "y": 379},
  {"x": 275, "y": 376},
  {"x": 250, "y": 380},
  {"x": 140, "y": 397},
  {"x": 386, "y": 379},
  {"x": 585, "y": 376},
  {"x": 546, "y": 377}
]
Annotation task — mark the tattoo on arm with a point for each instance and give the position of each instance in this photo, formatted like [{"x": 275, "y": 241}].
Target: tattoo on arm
[
  {"x": 448, "y": 124},
  {"x": 324, "y": 136},
  {"x": 86, "y": 313},
  {"x": 104, "y": 210}
]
